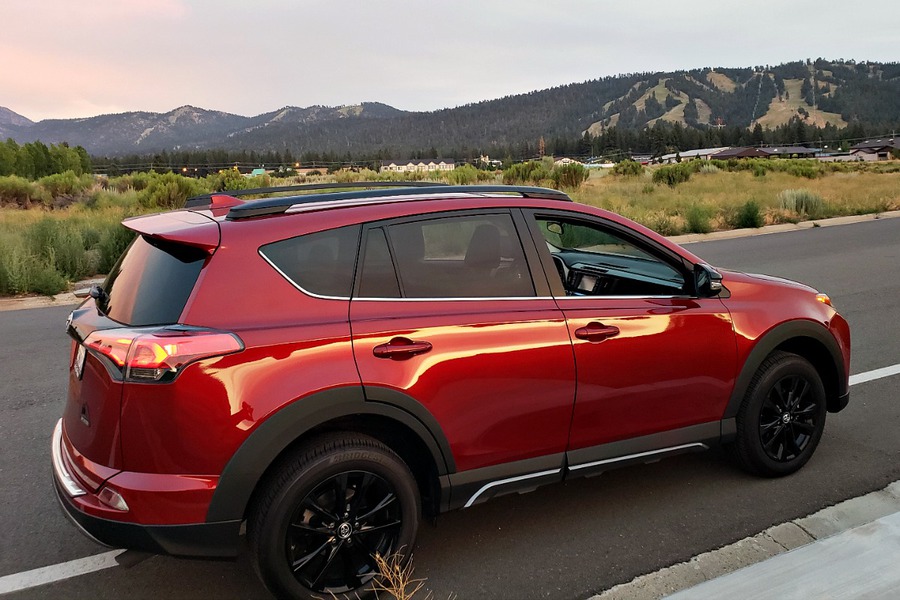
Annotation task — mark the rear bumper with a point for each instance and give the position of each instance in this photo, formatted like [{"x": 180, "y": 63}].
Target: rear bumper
[{"x": 212, "y": 540}]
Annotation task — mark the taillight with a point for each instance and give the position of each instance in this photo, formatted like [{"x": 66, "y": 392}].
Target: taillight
[{"x": 159, "y": 355}]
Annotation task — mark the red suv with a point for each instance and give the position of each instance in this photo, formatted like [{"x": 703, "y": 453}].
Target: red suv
[{"x": 325, "y": 367}]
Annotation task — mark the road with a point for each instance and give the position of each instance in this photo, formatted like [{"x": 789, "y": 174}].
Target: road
[{"x": 564, "y": 541}]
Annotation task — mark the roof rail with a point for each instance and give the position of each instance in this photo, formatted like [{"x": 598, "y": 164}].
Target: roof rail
[
  {"x": 274, "y": 206},
  {"x": 206, "y": 199}
]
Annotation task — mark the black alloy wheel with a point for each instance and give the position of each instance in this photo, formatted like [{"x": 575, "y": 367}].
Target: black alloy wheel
[
  {"x": 787, "y": 420},
  {"x": 339, "y": 527},
  {"x": 324, "y": 514},
  {"x": 782, "y": 416}
]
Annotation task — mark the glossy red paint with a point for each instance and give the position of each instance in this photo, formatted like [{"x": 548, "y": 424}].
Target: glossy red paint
[{"x": 497, "y": 381}]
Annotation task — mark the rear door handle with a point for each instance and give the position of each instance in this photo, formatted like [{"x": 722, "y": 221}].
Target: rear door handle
[
  {"x": 596, "y": 332},
  {"x": 401, "y": 348}
]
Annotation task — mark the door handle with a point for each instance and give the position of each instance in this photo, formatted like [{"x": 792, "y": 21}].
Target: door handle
[
  {"x": 596, "y": 332},
  {"x": 401, "y": 348}
]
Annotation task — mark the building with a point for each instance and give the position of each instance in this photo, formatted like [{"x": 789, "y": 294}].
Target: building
[
  {"x": 876, "y": 149},
  {"x": 424, "y": 164},
  {"x": 702, "y": 153},
  {"x": 740, "y": 153},
  {"x": 790, "y": 152}
]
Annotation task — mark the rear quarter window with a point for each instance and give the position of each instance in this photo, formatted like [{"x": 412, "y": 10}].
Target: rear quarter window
[
  {"x": 321, "y": 263},
  {"x": 151, "y": 282}
]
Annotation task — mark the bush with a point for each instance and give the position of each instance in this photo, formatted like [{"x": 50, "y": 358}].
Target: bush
[
  {"x": 569, "y": 176},
  {"x": 672, "y": 175},
  {"x": 708, "y": 168},
  {"x": 65, "y": 184},
  {"x": 113, "y": 241},
  {"x": 19, "y": 191},
  {"x": 802, "y": 202},
  {"x": 464, "y": 175},
  {"x": 748, "y": 215},
  {"x": 532, "y": 172},
  {"x": 663, "y": 223},
  {"x": 170, "y": 191},
  {"x": 628, "y": 168},
  {"x": 697, "y": 219}
]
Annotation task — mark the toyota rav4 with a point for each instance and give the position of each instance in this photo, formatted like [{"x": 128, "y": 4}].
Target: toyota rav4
[{"x": 322, "y": 369}]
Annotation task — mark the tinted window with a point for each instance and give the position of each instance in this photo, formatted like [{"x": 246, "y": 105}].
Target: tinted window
[
  {"x": 593, "y": 261},
  {"x": 320, "y": 263},
  {"x": 151, "y": 282},
  {"x": 460, "y": 257}
]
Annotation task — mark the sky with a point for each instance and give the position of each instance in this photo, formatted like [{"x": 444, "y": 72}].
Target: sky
[{"x": 69, "y": 59}]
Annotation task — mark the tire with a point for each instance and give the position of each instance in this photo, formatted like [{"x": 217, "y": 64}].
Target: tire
[
  {"x": 324, "y": 513},
  {"x": 782, "y": 416}
]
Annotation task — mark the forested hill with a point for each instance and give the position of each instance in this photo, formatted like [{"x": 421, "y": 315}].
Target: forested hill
[{"x": 830, "y": 95}]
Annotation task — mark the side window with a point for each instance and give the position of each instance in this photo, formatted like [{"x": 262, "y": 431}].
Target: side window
[
  {"x": 593, "y": 261},
  {"x": 460, "y": 257},
  {"x": 319, "y": 263}
]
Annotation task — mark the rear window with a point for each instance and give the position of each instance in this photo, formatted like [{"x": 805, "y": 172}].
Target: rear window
[{"x": 151, "y": 282}]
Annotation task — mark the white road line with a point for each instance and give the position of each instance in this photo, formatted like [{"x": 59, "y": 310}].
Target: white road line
[
  {"x": 873, "y": 375},
  {"x": 81, "y": 566}
]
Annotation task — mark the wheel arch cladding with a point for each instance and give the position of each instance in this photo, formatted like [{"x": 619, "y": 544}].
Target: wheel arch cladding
[
  {"x": 808, "y": 339},
  {"x": 324, "y": 411}
]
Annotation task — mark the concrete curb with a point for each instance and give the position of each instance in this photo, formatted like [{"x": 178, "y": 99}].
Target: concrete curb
[
  {"x": 773, "y": 541},
  {"x": 691, "y": 238}
]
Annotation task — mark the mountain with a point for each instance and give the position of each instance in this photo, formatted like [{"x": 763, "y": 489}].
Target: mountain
[
  {"x": 816, "y": 93},
  {"x": 10, "y": 120}
]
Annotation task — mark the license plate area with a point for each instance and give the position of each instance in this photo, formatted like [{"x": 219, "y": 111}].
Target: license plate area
[{"x": 78, "y": 365}]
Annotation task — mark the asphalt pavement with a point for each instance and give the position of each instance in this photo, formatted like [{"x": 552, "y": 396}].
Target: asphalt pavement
[{"x": 572, "y": 540}]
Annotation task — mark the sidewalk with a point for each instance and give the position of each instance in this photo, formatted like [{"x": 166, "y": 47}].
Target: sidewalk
[{"x": 848, "y": 551}]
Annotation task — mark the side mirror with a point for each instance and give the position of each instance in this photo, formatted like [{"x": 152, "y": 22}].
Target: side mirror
[{"x": 707, "y": 280}]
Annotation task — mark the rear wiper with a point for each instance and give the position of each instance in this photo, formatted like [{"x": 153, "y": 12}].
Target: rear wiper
[{"x": 99, "y": 294}]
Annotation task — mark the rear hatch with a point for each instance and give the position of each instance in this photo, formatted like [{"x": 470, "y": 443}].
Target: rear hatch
[{"x": 144, "y": 294}]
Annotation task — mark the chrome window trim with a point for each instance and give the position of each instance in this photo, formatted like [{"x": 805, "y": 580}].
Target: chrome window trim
[
  {"x": 637, "y": 455},
  {"x": 488, "y": 486}
]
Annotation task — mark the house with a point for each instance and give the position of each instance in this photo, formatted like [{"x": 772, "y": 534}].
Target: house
[
  {"x": 790, "y": 152},
  {"x": 740, "y": 153},
  {"x": 424, "y": 164},
  {"x": 702, "y": 153},
  {"x": 876, "y": 149}
]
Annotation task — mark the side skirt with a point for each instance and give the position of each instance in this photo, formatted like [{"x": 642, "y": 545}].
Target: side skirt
[{"x": 465, "y": 489}]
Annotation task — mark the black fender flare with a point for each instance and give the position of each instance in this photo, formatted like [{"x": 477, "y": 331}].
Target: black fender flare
[
  {"x": 771, "y": 340},
  {"x": 246, "y": 467}
]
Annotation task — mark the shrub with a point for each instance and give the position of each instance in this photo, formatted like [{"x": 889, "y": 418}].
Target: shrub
[
  {"x": 708, "y": 168},
  {"x": 697, "y": 219},
  {"x": 113, "y": 241},
  {"x": 802, "y": 202},
  {"x": 170, "y": 191},
  {"x": 65, "y": 184},
  {"x": 464, "y": 175},
  {"x": 569, "y": 176},
  {"x": 532, "y": 172},
  {"x": 663, "y": 223},
  {"x": 672, "y": 175},
  {"x": 748, "y": 215},
  {"x": 314, "y": 173},
  {"x": 628, "y": 168},
  {"x": 19, "y": 191}
]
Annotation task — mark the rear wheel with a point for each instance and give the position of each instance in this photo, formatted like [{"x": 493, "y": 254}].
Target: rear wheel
[
  {"x": 327, "y": 512},
  {"x": 782, "y": 416}
]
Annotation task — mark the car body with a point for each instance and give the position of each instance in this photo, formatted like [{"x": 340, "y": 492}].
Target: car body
[{"x": 404, "y": 350}]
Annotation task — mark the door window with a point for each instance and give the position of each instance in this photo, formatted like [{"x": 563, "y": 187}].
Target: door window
[
  {"x": 594, "y": 261},
  {"x": 470, "y": 256}
]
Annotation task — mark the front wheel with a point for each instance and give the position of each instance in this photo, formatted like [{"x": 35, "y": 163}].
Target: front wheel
[
  {"x": 782, "y": 416},
  {"x": 325, "y": 514}
]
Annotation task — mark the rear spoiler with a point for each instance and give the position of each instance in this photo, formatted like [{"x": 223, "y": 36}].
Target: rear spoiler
[{"x": 182, "y": 227}]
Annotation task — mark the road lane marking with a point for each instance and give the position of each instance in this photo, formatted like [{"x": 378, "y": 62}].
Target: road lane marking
[
  {"x": 82, "y": 566},
  {"x": 44, "y": 575},
  {"x": 876, "y": 374}
]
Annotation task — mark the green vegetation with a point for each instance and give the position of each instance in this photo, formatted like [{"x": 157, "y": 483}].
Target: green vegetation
[
  {"x": 35, "y": 159},
  {"x": 72, "y": 229}
]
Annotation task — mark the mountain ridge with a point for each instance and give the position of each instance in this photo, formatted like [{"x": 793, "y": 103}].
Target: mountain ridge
[{"x": 818, "y": 93}]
